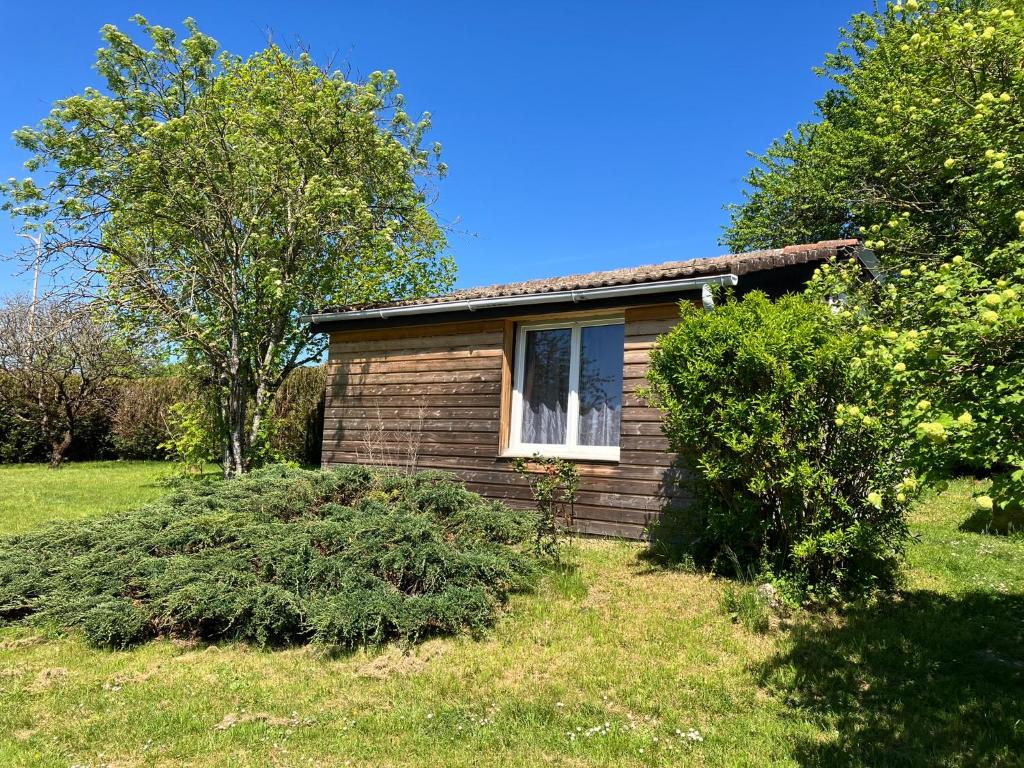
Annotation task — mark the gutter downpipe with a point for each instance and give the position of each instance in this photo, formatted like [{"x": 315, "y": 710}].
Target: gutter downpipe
[
  {"x": 706, "y": 297},
  {"x": 574, "y": 296}
]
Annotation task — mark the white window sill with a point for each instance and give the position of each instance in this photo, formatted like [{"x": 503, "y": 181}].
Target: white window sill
[{"x": 593, "y": 453}]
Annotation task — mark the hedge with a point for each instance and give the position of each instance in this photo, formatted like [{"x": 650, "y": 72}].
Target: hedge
[{"x": 137, "y": 423}]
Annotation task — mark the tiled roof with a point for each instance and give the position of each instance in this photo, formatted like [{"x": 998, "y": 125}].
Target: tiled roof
[{"x": 736, "y": 263}]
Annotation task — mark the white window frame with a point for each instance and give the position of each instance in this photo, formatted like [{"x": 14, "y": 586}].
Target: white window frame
[{"x": 571, "y": 449}]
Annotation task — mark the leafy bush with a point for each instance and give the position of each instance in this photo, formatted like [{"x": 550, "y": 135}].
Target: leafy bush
[
  {"x": 21, "y": 439},
  {"x": 192, "y": 435},
  {"x": 955, "y": 339},
  {"x": 347, "y": 557},
  {"x": 163, "y": 417},
  {"x": 798, "y": 463}
]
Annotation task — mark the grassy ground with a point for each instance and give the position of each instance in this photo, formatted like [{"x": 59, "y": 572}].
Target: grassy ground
[
  {"x": 31, "y": 494},
  {"x": 611, "y": 663}
]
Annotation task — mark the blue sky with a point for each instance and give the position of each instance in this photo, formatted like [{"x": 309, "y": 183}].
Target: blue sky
[{"x": 579, "y": 136}]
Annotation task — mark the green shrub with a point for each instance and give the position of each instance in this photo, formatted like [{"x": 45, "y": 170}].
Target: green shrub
[
  {"x": 22, "y": 440},
  {"x": 916, "y": 150},
  {"x": 796, "y": 461},
  {"x": 161, "y": 417},
  {"x": 19, "y": 440},
  {"x": 93, "y": 438},
  {"x": 191, "y": 435},
  {"x": 348, "y": 557}
]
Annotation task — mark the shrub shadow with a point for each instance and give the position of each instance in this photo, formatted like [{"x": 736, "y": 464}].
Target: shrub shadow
[
  {"x": 998, "y": 523},
  {"x": 925, "y": 680},
  {"x": 677, "y": 536}
]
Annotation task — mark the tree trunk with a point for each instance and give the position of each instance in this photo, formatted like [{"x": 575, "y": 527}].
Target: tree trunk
[
  {"x": 235, "y": 453},
  {"x": 58, "y": 448},
  {"x": 236, "y": 445},
  {"x": 260, "y": 401}
]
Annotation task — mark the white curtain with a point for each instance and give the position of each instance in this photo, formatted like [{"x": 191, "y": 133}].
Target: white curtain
[
  {"x": 545, "y": 423},
  {"x": 600, "y": 425},
  {"x": 546, "y": 386},
  {"x": 600, "y": 389}
]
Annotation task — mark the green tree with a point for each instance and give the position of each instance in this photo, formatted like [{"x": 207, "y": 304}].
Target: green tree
[
  {"x": 925, "y": 112},
  {"x": 919, "y": 150},
  {"x": 59, "y": 364},
  {"x": 214, "y": 200}
]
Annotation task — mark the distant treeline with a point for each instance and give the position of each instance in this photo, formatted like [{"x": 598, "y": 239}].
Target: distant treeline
[{"x": 132, "y": 421}]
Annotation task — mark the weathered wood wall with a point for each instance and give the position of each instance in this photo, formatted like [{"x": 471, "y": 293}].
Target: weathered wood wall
[{"x": 437, "y": 396}]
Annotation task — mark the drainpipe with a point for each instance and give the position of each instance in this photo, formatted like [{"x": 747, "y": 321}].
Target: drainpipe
[{"x": 706, "y": 297}]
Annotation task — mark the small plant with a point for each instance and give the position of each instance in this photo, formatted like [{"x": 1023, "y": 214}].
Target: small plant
[
  {"x": 394, "y": 448},
  {"x": 192, "y": 440},
  {"x": 746, "y": 606},
  {"x": 554, "y": 488}
]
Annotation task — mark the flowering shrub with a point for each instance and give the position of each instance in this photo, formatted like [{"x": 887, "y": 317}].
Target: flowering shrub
[
  {"x": 955, "y": 340},
  {"x": 919, "y": 153},
  {"x": 799, "y": 460}
]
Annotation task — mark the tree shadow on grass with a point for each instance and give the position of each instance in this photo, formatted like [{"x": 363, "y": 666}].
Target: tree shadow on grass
[{"x": 927, "y": 680}]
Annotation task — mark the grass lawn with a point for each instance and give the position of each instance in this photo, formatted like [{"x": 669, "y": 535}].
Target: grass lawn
[
  {"x": 31, "y": 494},
  {"x": 611, "y": 663}
]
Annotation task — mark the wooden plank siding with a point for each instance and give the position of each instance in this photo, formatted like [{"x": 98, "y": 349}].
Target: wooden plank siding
[{"x": 438, "y": 396}]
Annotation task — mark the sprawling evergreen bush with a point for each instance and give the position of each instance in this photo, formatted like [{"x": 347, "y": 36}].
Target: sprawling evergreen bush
[
  {"x": 348, "y": 557},
  {"x": 797, "y": 451}
]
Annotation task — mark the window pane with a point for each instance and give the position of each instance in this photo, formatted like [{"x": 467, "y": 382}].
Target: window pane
[
  {"x": 546, "y": 386},
  {"x": 601, "y": 356}
]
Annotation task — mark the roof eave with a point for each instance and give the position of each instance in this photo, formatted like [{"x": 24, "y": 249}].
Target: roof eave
[{"x": 526, "y": 299}]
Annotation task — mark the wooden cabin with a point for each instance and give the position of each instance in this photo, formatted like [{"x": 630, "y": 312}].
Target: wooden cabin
[{"x": 467, "y": 381}]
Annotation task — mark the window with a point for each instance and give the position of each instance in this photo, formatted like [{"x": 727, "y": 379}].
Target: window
[{"x": 567, "y": 398}]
